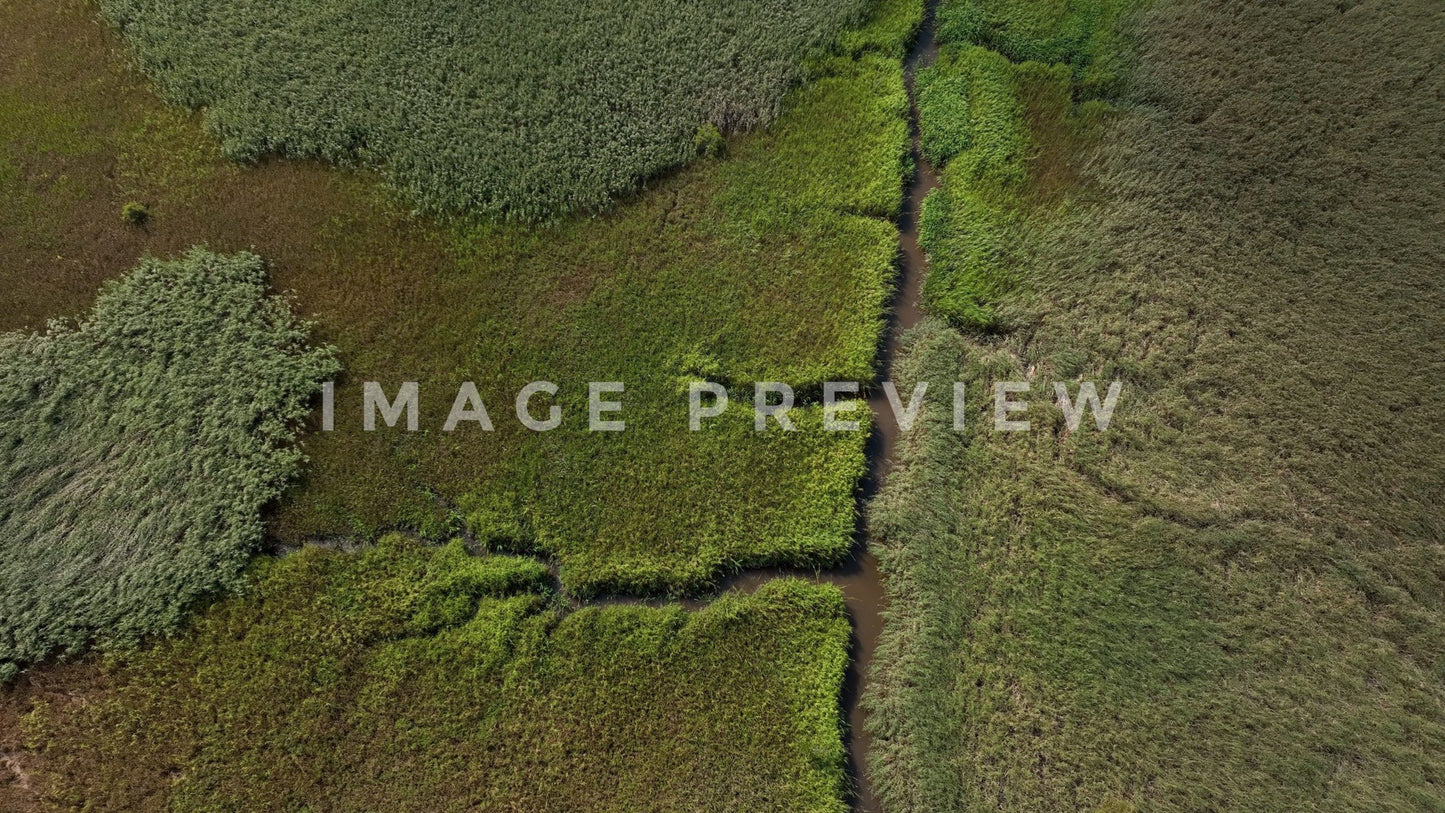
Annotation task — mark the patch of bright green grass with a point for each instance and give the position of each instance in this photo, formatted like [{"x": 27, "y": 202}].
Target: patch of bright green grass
[
  {"x": 997, "y": 115},
  {"x": 412, "y": 678},
  {"x": 976, "y": 125},
  {"x": 888, "y": 32},
  {"x": 139, "y": 449}
]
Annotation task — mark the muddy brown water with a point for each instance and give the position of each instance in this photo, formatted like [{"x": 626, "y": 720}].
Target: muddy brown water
[{"x": 860, "y": 579}]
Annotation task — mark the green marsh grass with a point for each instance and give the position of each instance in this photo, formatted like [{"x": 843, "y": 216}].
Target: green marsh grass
[
  {"x": 771, "y": 263},
  {"x": 421, "y": 679}
]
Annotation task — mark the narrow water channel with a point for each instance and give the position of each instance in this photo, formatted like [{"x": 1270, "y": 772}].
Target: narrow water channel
[
  {"x": 859, "y": 579},
  {"x": 861, "y": 582}
]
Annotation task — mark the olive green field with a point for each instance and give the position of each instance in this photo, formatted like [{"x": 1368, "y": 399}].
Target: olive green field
[{"x": 1232, "y": 598}]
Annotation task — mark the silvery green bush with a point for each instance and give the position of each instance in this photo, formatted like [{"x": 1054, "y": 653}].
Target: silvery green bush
[{"x": 138, "y": 448}]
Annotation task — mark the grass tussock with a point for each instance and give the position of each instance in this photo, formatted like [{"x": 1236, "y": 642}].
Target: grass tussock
[
  {"x": 140, "y": 446},
  {"x": 1233, "y": 599},
  {"x": 414, "y": 678},
  {"x": 974, "y": 125},
  {"x": 998, "y": 116}
]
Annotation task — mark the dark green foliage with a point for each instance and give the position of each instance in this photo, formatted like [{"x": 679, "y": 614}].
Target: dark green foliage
[
  {"x": 414, "y": 679},
  {"x": 1234, "y": 599},
  {"x": 136, "y": 214},
  {"x": 976, "y": 116},
  {"x": 138, "y": 449},
  {"x": 523, "y": 110},
  {"x": 1084, "y": 34}
]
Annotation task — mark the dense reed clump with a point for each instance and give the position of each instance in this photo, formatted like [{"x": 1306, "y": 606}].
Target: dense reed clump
[
  {"x": 139, "y": 447},
  {"x": 1086, "y": 35},
  {"x": 412, "y": 678},
  {"x": 527, "y": 111}
]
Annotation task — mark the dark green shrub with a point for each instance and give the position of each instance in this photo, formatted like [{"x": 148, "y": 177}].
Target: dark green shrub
[
  {"x": 136, "y": 214},
  {"x": 708, "y": 142}
]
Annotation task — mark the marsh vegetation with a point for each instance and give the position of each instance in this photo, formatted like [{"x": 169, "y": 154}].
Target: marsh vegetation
[
  {"x": 407, "y": 677},
  {"x": 1232, "y": 599},
  {"x": 140, "y": 446},
  {"x": 529, "y": 111}
]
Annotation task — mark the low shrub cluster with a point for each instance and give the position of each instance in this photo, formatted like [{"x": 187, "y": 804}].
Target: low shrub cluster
[
  {"x": 139, "y": 447},
  {"x": 523, "y": 111},
  {"x": 419, "y": 679}
]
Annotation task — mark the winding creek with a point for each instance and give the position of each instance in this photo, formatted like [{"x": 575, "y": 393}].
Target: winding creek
[{"x": 860, "y": 580}]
